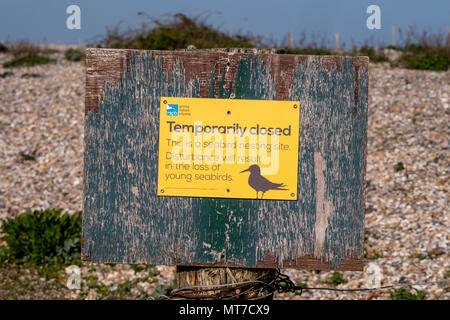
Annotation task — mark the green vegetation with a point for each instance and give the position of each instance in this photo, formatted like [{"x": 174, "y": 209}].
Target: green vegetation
[
  {"x": 122, "y": 290},
  {"x": 39, "y": 247},
  {"x": 336, "y": 278},
  {"x": 403, "y": 294},
  {"x": 176, "y": 32},
  {"x": 424, "y": 50},
  {"x": 312, "y": 51},
  {"x": 24, "y": 156},
  {"x": 28, "y": 61},
  {"x": 416, "y": 50},
  {"x": 43, "y": 238},
  {"x": 422, "y": 256},
  {"x": 3, "y": 255},
  {"x": 392, "y": 47},
  {"x": 164, "y": 290},
  {"x": 301, "y": 285},
  {"x": 150, "y": 268},
  {"x": 399, "y": 167},
  {"x": 426, "y": 56},
  {"x": 74, "y": 54},
  {"x": 179, "y": 31},
  {"x": 426, "y": 60},
  {"x": 371, "y": 254},
  {"x": 22, "y": 282},
  {"x": 25, "y": 53},
  {"x": 373, "y": 55}
]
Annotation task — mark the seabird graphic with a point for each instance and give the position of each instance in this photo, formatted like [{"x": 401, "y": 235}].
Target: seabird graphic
[{"x": 259, "y": 183}]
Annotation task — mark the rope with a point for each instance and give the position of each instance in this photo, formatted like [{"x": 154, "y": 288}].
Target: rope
[{"x": 252, "y": 290}]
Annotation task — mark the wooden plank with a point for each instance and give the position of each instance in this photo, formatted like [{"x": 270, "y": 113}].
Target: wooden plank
[
  {"x": 124, "y": 220},
  {"x": 188, "y": 276}
]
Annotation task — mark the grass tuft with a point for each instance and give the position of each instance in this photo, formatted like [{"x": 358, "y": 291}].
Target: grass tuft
[
  {"x": 28, "y": 61},
  {"x": 27, "y": 54},
  {"x": 399, "y": 166},
  {"x": 373, "y": 55},
  {"x": 403, "y": 294},
  {"x": 74, "y": 54},
  {"x": 335, "y": 279}
]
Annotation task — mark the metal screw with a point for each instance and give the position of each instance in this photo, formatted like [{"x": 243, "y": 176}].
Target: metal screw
[
  {"x": 292, "y": 194},
  {"x": 165, "y": 101},
  {"x": 295, "y": 106},
  {"x": 162, "y": 190}
]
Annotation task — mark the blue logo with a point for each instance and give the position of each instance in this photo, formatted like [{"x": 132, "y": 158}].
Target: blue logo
[{"x": 172, "y": 110}]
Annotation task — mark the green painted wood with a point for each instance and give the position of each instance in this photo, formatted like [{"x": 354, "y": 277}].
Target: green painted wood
[{"x": 124, "y": 220}]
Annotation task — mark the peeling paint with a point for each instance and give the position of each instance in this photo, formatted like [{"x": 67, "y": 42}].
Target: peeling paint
[
  {"x": 124, "y": 220},
  {"x": 324, "y": 207}
]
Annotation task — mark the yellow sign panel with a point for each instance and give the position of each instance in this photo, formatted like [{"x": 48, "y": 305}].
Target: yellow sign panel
[{"x": 228, "y": 148}]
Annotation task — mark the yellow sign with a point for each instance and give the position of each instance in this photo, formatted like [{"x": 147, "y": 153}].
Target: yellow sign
[{"x": 228, "y": 148}]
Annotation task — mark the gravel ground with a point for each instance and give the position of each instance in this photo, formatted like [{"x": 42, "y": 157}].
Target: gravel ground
[{"x": 42, "y": 114}]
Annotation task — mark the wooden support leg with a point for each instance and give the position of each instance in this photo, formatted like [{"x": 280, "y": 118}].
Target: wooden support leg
[{"x": 188, "y": 276}]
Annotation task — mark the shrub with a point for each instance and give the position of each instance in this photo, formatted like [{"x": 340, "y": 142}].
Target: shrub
[
  {"x": 427, "y": 60},
  {"x": 177, "y": 32},
  {"x": 28, "y": 61},
  {"x": 23, "y": 49},
  {"x": 314, "y": 51},
  {"x": 27, "y": 54},
  {"x": 372, "y": 54},
  {"x": 43, "y": 237},
  {"x": 392, "y": 47},
  {"x": 3, "y": 255},
  {"x": 424, "y": 50},
  {"x": 403, "y": 294},
  {"x": 399, "y": 166},
  {"x": 74, "y": 54},
  {"x": 336, "y": 279}
]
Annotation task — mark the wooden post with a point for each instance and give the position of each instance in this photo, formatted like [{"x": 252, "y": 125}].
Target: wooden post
[
  {"x": 393, "y": 36},
  {"x": 337, "y": 40},
  {"x": 188, "y": 276},
  {"x": 291, "y": 40},
  {"x": 447, "y": 35}
]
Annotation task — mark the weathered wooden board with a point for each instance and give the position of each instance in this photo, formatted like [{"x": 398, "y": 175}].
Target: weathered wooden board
[{"x": 125, "y": 221}]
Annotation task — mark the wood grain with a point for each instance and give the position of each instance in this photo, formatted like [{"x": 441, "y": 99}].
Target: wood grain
[
  {"x": 188, "y": 276},
  {"x": 124, "y": 220}
]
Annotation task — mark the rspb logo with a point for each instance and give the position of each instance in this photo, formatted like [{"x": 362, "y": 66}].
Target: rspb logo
[{"x": 172, "y": 110}]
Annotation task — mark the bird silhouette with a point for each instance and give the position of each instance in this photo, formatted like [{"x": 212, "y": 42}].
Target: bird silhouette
[{"x": 259, "y": 183}]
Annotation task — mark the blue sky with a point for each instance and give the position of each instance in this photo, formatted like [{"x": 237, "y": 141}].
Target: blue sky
[{"x": 45, "y": 20}]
